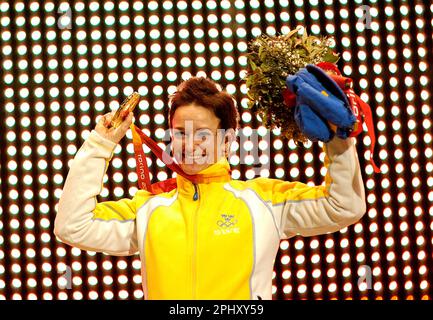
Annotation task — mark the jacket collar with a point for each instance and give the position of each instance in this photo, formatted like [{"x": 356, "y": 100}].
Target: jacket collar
[{"x": 217, "y": 172}]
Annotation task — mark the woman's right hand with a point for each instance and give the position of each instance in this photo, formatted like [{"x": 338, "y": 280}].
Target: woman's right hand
[{"x": 113, "y": 134}]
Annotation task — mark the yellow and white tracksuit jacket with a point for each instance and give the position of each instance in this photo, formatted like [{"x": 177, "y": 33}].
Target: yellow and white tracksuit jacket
[{"x": 207, "y": 241}]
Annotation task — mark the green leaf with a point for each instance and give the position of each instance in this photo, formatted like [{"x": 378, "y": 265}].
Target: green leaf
[
  {"x": 252, "y": 64},
  {"x": 330, "y": 56},
  {"x": 292, "y": 33},
  {"x": 249, "y": 95},
  {"x": 304, "y": 35},
  {"x": 262, "y": 54}
]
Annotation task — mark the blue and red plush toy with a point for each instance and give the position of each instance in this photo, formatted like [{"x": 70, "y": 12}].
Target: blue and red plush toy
[
  {"x": 326, "y": 105},
  {"x": 320, "y": 103}
]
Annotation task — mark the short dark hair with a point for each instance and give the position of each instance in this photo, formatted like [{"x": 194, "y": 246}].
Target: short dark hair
[{"x": 205, "y": 93}]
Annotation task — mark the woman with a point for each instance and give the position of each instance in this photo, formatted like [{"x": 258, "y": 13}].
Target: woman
[{"x": 216, "y": 239}]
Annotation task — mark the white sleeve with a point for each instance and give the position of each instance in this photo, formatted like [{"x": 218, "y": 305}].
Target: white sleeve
[
  {"x": 313, "y": 210},
  {"x": 83, "y": 222}
]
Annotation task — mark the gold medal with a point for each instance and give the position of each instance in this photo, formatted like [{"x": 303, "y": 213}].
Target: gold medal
[{"x": 128, "y": 104}]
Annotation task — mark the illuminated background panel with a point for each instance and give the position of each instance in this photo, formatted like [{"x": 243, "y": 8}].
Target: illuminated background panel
[{"x": 59, "y": 74}]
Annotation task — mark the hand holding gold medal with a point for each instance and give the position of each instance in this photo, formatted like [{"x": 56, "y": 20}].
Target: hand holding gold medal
[
  {"x": 127, "y": 106},
  {"x": 114, "y": 125}
]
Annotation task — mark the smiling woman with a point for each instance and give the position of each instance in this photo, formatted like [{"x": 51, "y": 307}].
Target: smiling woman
[
  {"x": 195, "y": 140},
  {"x": 203, "y": 121},
  {"x": 208, "y": 229}
]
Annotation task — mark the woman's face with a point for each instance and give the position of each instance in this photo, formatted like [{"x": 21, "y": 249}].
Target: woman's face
[{"x": 197, "y": 141}]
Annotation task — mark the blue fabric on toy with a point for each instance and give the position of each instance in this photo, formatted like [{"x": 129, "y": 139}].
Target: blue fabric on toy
[
  {"x": 319, "y": 100},
  {"x": 311, "y": 124}
]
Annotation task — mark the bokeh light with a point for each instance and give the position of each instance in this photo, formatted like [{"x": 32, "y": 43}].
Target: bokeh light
[{"x": 63, "y": 67}]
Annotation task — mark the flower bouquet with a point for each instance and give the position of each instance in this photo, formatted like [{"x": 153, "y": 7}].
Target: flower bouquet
[{"x": 271, "y": 59}]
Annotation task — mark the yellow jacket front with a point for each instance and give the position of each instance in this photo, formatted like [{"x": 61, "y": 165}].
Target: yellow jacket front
[{"x": 208, "y": 241}]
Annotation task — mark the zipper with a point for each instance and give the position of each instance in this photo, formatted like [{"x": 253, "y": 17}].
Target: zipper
[
  {"x": 194, "y": 253},
  {"x": 195, "y": 196}
]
